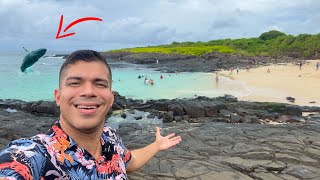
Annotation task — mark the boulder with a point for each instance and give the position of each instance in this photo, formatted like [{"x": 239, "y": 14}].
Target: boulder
[
  {"x": 177, "y": 118},
  {"x": 151, "y": 115},
  {"x": 176, "y": 109},
  {"x": 119, "y": 102},
  {"x": 45, "y": 107},
  {"x": 293, "y": 110},
  {"x": 211, "y": 108},
  {"x": 167, "y": 117},
  {"x": 296, "y": 119},
  {"x": 225, "y": 113},
  {"x": 251, "y": 119},
  {"x": 193, "y": 108},
  {"x": 137, "y": 117},
  {"x": 159, "y": 105},
  {"x": 234, "y": 118},
  {"x": 123, "y": 115}
]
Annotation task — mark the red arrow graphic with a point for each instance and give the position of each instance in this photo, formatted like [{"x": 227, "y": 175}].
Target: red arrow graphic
[{"x": 72, "y": 24}]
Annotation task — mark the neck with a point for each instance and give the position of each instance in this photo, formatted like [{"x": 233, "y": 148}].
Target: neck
[{"x": 90, "y": 141}]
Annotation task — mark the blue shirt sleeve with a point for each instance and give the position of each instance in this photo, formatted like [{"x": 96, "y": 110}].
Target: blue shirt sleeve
[{"x": 22, "y": 159}]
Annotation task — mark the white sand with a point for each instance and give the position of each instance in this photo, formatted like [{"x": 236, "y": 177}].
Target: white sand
[{"x": 282, "y": 81}]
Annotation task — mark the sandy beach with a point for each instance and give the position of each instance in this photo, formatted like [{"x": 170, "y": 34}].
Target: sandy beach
[{"x": 283, "y": 80}]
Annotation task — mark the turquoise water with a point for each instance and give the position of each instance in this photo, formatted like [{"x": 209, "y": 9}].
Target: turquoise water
[{"x": 41, "y": 80}]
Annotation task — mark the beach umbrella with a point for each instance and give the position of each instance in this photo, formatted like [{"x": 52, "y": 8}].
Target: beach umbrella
[{"x": 31, "y": 58}]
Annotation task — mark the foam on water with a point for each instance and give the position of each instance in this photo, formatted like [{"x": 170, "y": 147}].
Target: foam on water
[{"x": 115, "y": 120}]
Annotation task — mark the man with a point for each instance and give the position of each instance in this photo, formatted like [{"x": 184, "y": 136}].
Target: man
[
  {"x": 79, "y": 146},
  {"x": 300, "y": 65}
]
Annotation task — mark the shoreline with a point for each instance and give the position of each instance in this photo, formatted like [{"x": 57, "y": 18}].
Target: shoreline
[{"x": 284, "y": 80}]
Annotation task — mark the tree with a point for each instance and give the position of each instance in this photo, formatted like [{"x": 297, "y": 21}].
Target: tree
[
  {"x": 271, "y": 35},
  {"x": 175, "y": 43}
]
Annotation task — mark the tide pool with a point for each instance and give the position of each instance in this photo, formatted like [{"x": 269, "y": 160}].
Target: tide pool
[{"x": 41, "y": 80}]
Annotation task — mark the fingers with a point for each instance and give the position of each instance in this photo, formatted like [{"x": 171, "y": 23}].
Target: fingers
[
  {"x": 177, "y": 138},
  {"x": 174, "y": 141},
  {"x": 158, "y": 132},
  {"x": 171, "y": 135}
]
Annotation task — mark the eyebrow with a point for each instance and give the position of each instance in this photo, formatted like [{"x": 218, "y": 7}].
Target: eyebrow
[{"x": 73, "y": 78}]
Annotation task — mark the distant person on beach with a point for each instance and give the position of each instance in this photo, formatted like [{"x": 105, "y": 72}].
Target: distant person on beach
[
  {"x": 248, "y": 68},
  {"x": 217, "y": 78},
  {"x": 300, "y": 65},
  {"x": 79, "y": 145},
  {"x": 268, "y": 70},
  {"x": 231, "y": 70},
  {"x": 161, "y": 77},
  {"x": 146, "y": 81},
  {"x": 238, "y": 70},
  {"x": 317, "y": 66},
  {"x": 151, "y": 82}
]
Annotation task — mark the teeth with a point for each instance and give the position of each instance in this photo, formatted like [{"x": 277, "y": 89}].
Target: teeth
[{"x": 86, "y": 107}]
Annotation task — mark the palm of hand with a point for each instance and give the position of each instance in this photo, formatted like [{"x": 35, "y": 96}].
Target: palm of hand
[{"x": 165, "y": 142}]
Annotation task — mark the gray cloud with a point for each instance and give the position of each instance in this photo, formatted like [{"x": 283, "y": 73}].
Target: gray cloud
[{"x": 126, "y": 23}]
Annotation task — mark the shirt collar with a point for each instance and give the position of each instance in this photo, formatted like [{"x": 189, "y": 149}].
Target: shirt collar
[{"x": 56, "y": 132}]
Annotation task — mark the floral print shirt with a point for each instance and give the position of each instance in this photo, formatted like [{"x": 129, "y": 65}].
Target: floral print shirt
[{"x": 55, "y": 155}]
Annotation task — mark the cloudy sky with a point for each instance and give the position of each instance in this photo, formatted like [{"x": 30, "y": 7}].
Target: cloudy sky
[{"x": 130, "y": 23}]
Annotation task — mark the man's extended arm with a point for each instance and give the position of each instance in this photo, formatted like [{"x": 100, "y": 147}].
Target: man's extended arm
[{"x": 140, "y": 157}]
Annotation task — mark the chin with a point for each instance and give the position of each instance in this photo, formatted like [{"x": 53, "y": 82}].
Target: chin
[
  {"x": 89, "y": 123},
  {"x": 87, "y": 129}
]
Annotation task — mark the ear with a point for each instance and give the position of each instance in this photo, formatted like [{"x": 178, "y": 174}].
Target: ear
[
  {"x": 57, "y": 94},
  {"x": 111, "y": 102}
]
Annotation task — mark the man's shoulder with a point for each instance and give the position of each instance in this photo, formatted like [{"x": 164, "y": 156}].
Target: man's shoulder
[
  {"x": 24, "y": 151},
  {"x": 23, "y": 157},
  {"x": 28, "y": 143}
]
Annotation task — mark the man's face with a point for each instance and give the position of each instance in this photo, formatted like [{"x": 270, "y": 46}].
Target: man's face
[{"x": 85, "y": 96}]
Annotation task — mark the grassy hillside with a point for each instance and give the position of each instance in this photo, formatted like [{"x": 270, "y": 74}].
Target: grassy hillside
[
  {"x": 188, "y": 50},
  {"x": 272, "y": 43}
]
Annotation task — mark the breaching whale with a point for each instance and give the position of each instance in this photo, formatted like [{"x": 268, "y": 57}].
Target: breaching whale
[{"x": 31, "y": 58}]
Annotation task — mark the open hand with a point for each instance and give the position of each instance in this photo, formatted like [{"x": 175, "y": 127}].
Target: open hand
[{"x": 167, "y": 141}]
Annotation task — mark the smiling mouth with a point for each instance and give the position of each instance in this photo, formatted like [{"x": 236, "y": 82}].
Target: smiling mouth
[{"x": 87, "y": 107}]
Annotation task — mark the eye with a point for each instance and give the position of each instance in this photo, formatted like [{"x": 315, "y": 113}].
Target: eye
[
  {"x": 102, "y": 85},
  {"x": 73, "y": 83}
]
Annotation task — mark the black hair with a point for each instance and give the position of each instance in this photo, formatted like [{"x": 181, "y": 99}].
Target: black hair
[{"x": 86, "y": 56}]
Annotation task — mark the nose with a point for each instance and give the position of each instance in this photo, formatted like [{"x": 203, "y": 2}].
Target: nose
[{"x": 88, "y": 90}]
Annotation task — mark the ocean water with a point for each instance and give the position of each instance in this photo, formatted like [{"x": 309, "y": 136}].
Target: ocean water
[{"x": 39, "y": 82}]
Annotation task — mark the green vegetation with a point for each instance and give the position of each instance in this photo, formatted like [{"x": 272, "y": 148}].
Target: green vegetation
[
  {"x": 188, "y": 50},
  {"x": 271, "y": 35},
  {"x": 272, "y": 43}
]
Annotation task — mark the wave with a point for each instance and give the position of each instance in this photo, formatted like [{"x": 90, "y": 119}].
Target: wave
[{"x": 55, "y": 56}]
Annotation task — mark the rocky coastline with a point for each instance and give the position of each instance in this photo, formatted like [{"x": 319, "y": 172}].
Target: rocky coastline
[
  {"x": 209, "y": 62},
  {"x": 223, "y": 138}
]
